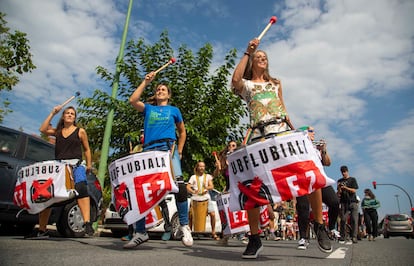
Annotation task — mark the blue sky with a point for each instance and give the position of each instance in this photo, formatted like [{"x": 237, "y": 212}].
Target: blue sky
[{"x": 346, "y": 67}]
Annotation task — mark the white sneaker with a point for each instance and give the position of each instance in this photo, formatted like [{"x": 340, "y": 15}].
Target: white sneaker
[
  {"x": 187, "y": 237},
  {"x": 303, "y": 244},
  {"x": 137, "y": 240},
  {"x": 335, "y": 233}
]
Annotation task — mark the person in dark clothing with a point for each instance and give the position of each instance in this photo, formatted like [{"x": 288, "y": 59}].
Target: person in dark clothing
[
  {"x": 347, "y": 187},
  {"x": 369, "y": 205},
  {"x": 70, "y": 142},
  {"x": 329, "y": 197}
]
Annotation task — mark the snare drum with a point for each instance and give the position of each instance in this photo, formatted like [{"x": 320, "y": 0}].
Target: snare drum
[{"x": 199, "y": 212}]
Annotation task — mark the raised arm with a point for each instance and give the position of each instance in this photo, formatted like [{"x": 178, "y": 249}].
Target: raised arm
[
  {"x": 45, "y": 126},
  {"x": 236, "y": 80},
  {"x": 134, "y": 100}
]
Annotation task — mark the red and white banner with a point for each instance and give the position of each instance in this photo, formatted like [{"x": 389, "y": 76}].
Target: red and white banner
[
  {"x": 276, "y": 169},
  {"x": 264, "y": 216},
  {"x": 40, "y": 185},
  {"x": 234, "y": 222},
  {"x": 153, "y": 218},
  {"x": 139, "y": 182}
]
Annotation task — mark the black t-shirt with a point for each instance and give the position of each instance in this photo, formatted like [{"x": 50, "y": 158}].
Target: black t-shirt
[{"x": 347, "y": 196}]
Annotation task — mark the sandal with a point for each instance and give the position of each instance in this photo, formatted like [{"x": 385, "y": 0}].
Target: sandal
[{"x": 215, "y": 237}]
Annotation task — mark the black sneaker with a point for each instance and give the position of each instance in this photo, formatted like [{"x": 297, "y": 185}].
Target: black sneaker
[
  {"x": 37, "y": 235},
  {"x": 88, "y": 229},
  {"x": 324, "y": 242},
  {"x": 253, "y": 247}
]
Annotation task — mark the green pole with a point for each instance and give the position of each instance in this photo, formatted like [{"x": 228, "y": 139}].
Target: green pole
[{"x": 103, "y": 162}]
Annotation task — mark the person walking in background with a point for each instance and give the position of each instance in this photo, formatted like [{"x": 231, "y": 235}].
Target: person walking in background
[
  {"x": 263, "y": 94},
  {"x": 161, "y": 121},
  {"x": 347, "y": 187},
  {"x": 329, "y": 197},
  {"x": 369, "y": 205},
  {"x": 199, "y": 186},
  {"x": 222, "y": 166},
  {"x": 70, "y": 141}
]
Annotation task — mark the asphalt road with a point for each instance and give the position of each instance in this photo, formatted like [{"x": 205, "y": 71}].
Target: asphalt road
[{"x": 107, "y": 250}]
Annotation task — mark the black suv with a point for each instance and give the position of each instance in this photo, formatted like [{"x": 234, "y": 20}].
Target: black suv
[{"x": 18, "y": 149}]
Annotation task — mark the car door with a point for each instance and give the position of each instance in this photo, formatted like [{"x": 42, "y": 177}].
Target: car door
[{"x": 10, "y": 149}]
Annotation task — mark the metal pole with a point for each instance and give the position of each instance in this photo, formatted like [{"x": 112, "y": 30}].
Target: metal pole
[
  {"x": 103, "y": 162},
  {"x": 406, "y": 193},
  {"x": 398, "y": 203}
]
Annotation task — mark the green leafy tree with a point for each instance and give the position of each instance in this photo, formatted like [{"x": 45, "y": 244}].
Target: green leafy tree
[
  {"x": 15, "y": 59},
  {"x": 210, "y": 110}
]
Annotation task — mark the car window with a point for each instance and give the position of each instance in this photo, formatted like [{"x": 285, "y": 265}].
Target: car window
[
  {"x": 39, "y": 151},
  {"x": 398, "y": 218},
  {"x": 8, "y": 142}
]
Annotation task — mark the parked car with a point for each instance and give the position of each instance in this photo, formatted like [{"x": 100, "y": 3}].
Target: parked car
[
  {"x": 18, "y": 149},
  {"x": 118, "y": 227},
  {"x": 397, "y": 225}
]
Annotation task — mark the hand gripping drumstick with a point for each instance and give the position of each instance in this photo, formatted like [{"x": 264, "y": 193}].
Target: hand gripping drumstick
[
  {"x": 172, "y": 61},
  {"x": 271, "y": 22},
  {"x": 70, "y": 99},
  {"x": 217, "y": 160}
]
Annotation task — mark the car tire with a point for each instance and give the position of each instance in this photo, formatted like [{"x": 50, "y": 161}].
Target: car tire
[
  {"x": 71, "y": 222},
  {"x": 175, "y": 223}
]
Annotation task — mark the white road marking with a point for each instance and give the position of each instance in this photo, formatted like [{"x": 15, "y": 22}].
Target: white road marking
[{"x": 339, "y": 253}]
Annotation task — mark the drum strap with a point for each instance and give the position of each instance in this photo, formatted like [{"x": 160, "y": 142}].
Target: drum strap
[
  {"x": 262, "y": 124},
  {"x": 168, "y": 141}
]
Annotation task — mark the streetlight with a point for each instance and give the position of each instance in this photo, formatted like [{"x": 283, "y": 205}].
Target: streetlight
[
  {"x": 398, "y": 203},
  {"x": 375, "y": 184}
]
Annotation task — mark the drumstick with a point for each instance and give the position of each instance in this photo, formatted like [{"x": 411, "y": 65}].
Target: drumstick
[
  {"x": 247, "y": 137},
  {"x": 217, "y": 160},
  {"x": 271, "y": 22},
  {"x": 70, "y": 99},
  {"x": 172, "y": 61}
]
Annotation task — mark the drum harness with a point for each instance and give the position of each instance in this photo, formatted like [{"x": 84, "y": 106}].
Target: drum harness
[
  {"x": 169, "y": 142},
  {"x": 272, "y": 121}
]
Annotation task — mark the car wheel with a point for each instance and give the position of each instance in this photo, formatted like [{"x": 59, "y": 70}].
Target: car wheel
[
  {"x": 175, "y": 223},
  {"x": 71, "y": 222}
]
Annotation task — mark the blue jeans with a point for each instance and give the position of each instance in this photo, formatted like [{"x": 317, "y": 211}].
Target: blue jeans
[{"x": 182, "y": 205}]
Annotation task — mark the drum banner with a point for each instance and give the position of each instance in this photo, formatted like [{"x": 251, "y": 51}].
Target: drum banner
[
  {"x": 276, "y": 169},
  {"x": 232, "y": 222},
  {"x": 139, "y": 182},
  {"x": 153, "y": 218},
  {"x": 264, "y": 216},
  {"x": 40, "y": 185}
]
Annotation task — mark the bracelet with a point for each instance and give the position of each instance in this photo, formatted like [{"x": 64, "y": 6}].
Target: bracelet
[{"x": 246, "y": 53}]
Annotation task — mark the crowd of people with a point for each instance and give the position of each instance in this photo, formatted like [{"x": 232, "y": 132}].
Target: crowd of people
[{"x": 164, "y": 130}]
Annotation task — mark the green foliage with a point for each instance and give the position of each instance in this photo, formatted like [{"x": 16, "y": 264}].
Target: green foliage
[
  {"x": 15, "y": 59},
  {"x": 211, "y": 112}
]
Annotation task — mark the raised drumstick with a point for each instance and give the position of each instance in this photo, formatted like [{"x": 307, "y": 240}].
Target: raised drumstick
[
  {"x": 271, "y": 22},
  {"x": 217, "y": 160},
  {"x": 70, "y": 99},
  {"x": 172, "y": 61}
]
